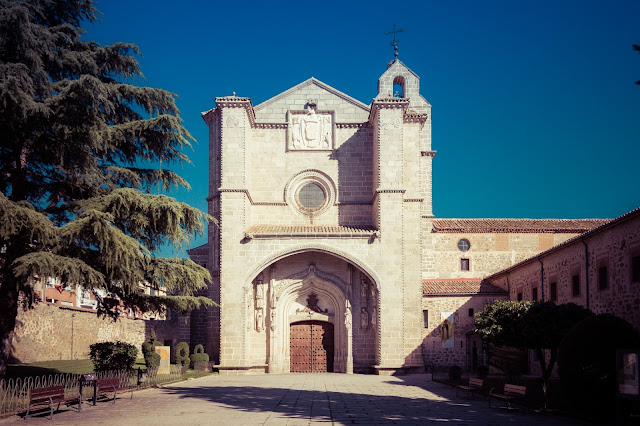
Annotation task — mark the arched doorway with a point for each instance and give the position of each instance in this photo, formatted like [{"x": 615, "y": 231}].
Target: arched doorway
[{"x": 311, "y": 347}]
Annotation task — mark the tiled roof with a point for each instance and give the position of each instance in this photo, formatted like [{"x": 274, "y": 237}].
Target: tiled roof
[
  {"x": 257, "y": 231},
  {"x": 517, "y": 225},
  {"x": 604, "y": 226},
  {"x": 460, "y": 286}
]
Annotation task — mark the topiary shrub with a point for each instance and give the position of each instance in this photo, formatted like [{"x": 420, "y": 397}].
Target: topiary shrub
[
  {"x": 182, "y": 354},
  {"x": 455, "y": 373},
  {"x": 587, "y": 364},
  {"x": 199, "y": 359},
  {"x": 113, "y": 356},
  {"x": 151, "y": 357}
]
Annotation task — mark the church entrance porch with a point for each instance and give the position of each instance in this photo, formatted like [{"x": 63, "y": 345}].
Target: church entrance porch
[{"x": 311, "y": 347}]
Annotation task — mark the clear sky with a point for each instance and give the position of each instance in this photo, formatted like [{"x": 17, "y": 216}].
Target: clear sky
[{"x": 535, "y": 111}]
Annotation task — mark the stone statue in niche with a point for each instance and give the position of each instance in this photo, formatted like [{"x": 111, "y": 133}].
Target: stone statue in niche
[
  {"x": 259, "y": 295},
  {"x": 310, "y": 130},
  {"x": 374, "y": 316},
  {"x": 347, "y": 316},
  {"x": 364, "y": 289},
  {"x": 364, "y": 318},
  {"x": 273, "y": 319},
  {"x": 259, "y": 320}
]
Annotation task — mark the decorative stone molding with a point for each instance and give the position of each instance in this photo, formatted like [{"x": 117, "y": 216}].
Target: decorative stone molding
[
  {"x": 245, "y": 191},
  {"x": 415, "y": 117},
  {"x": 271, "y": 125},
  {"x": 352, "y": 125},
  {"x": 323, "y": 248},
  {"x": 413, "y": 200},
  {"x": 428, "y": 153}
]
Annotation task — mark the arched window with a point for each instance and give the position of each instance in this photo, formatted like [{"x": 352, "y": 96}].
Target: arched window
[{"x": 398, "y": 87}]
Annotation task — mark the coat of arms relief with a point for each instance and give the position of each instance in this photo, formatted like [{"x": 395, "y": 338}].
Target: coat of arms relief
[{"x": 310, "y": 130}]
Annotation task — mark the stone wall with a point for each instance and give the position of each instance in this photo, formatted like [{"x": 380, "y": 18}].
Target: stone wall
[
  {"x": 49, "y": 332},
  {"x": 490, "y": 252},
  {"x": 612, "y": 247},
  {"x": 433, "y": 352}
]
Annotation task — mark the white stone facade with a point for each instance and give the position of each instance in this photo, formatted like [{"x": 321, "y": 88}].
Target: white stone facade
[{"x": 325, "y": 214}]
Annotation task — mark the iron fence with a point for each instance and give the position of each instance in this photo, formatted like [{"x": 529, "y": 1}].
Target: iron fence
[{"x": 14, "y": 393}]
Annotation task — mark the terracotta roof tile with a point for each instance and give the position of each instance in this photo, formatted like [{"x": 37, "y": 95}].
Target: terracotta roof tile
[
  {"x": 313, "y": 230},
  {"x": 516, "y": 225},
  {"x": 460, "y": 286}
]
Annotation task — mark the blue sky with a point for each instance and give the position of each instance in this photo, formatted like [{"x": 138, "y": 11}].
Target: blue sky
[{"x": 535, "y": 111}]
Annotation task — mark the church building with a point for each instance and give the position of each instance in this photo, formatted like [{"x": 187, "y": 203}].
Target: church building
[{"x": 327, "y": 256}]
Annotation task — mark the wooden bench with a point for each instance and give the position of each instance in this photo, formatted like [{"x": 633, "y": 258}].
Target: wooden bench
[
  {"x": 475, "y": 385},
  {"x": 511, "y": 393},
  {"x": 48, "y": 397},
  {"x": 106, "y": 386}
]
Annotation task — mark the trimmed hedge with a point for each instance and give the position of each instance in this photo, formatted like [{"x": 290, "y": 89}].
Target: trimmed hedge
[
  {"x": 199, "y": 356},
  {"x": 182, "y": 354},
  {"x": 113, "y": 356},
  {"x": 151, "y": 357}
]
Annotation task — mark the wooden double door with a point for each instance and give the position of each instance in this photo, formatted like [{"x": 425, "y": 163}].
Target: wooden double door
[{"x": 311, "y": 347}]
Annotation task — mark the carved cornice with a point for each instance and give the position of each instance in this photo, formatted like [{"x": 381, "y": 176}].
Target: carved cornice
[
  {"x": 415, "y": 117},
  {"x": 428, "y": 153},
  {"x": 271, "y": 125},
  {"x": 243, "y": 190},
  {"x": 237, "y": 102},
  {"x": 390, "y": 191},
  {"x": 352, "y": 125},
  {"x": 386, "y": 103}
]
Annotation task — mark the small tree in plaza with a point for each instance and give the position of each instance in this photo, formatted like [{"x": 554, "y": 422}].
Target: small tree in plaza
[
  {"x": 498, "y": 323},
  {"x": 526, "y": 325},
  {"x": 79, "y": 156}
]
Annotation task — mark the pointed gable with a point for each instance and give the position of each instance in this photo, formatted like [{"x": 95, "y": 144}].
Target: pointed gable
[
  {"x": 399, "y": 74},
  {"x": 347, "y": 109}
]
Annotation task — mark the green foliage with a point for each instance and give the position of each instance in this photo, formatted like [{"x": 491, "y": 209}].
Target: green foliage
[
  {"x": 587, "y": 364},
  {"x": 151, "y": 357},
  {"x": 199, "y": 357},
  {"x": 182, "y": 354},
  {"x": 79, "y": 156},
  {"x": 498, "y": 323},
  {"x": 113, "y": 356}
]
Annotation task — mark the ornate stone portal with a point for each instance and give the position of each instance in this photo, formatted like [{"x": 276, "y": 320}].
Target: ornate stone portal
[{"x": 309, "y": 295}]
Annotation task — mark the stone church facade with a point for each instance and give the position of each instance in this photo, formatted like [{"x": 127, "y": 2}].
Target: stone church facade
[{"x": 327, "y": 256}]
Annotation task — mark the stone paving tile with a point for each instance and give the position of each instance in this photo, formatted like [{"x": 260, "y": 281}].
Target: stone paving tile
[{"x": 296, "y": 399}]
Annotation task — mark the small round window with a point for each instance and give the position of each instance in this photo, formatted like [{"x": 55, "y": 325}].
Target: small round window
[
  {"x": 311, "y": 197},
  {"x": 464, "y": 245}
]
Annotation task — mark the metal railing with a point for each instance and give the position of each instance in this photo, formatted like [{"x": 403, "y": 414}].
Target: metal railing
[{"x": 14, "y": 393}]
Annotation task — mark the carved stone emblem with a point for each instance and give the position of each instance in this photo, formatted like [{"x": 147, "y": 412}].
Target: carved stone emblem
[
  {"x": 310, "y": 130},
  {"x": 312, "y": 305}
]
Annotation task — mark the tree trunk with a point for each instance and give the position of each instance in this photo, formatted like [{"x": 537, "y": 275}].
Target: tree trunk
[
  {"x": 8, "y": 314},
  {"x": 546, "y": 370}
]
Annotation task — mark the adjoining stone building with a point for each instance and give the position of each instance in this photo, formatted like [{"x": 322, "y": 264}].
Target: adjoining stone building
[{"x": 327, "y": 256}]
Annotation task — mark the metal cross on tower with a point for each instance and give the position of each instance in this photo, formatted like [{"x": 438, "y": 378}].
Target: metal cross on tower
[{"x": 395, "y": 41}]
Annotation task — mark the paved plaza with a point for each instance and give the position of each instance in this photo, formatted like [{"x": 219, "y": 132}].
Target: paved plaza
[{"x": 296, "y": 399}]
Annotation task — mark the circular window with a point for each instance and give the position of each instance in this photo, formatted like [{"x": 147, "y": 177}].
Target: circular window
[
  {"x": 310, "y": 193},
  {"x": 311, "y": 196},
  {"x": 464, "y": 245}
]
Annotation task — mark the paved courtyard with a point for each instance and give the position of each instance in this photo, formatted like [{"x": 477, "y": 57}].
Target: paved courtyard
[{"x": 296, "y": 399}]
